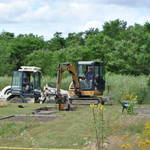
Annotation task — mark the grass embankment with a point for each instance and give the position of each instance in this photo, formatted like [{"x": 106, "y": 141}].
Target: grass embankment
[{"x": 73, "y": 130}]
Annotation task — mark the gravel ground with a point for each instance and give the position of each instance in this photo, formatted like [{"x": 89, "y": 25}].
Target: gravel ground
[{"x": 143, "y": 111}]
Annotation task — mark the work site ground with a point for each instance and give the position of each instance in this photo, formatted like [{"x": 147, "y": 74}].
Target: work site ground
[{"x": 22, "y": 125}]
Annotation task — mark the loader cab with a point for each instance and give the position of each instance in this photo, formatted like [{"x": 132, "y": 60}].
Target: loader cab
[
  {"x": 26, "y": 82},
  {"x": 91, "y": 76}
]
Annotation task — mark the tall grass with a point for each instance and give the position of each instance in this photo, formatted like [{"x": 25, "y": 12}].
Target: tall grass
[
  {"x": 4, "y": 81},
  {"x": 123, "y": 84},
  {"x": 52, "y": 81},
  {"x": 118, "y": 85}
]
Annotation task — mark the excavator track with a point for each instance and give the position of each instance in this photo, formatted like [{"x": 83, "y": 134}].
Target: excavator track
[{"x": 85, "y": 100}]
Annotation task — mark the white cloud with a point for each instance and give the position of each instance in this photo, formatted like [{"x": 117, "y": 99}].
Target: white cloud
[
  {"x": 91, "y": 24},
  {"x": 10, "y": 10},
  {"x": 130, "y": 3},
  {"x": 41, "y": 14},
  {"x": 48, "y": 16}
]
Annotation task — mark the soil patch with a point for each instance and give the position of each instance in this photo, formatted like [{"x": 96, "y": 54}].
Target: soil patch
[
  {"x": 143, "y": 111},
  {"x": 38, "y": 118}
]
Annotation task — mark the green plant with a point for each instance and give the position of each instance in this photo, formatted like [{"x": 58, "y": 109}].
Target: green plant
[
  {"x": 148, "y": 81},
  {"x": 120, "y": 84},
  {"x": 4, "y": 81},
  {"x": 141, "y": 141},
  {"x": 98, "y": 117},
  {"x": 132, "y": 99}
]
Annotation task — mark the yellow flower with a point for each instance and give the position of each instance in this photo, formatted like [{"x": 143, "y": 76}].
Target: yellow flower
[
  {"x": 147, "y": 141},
  {"x": 125, "y": 137},
  {"x": 141, "y": 144},
  {"x": 147, "y": 133},
  {"x": 130, "y": 97},
  {"x": 93, "y": 106},
  {"x": 147, "y": 125},
  {"x": 126, "y": 146},
  {"x": 138, "y": 137},
  {"x": 100, "y": 107}
]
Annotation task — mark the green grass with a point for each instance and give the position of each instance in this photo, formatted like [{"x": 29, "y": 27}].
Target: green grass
[
  {"x": 125, "y": 84},
  {"x": 52, "y": 81},
  {"x": 73, "y": 130},
  {"x": 66, "y": 132},
  {"x": 118, "y": 85},
  {"x": 4, "y": 81}
]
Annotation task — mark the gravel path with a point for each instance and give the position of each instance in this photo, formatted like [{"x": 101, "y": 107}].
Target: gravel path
[{"x": 143, "y": 111}]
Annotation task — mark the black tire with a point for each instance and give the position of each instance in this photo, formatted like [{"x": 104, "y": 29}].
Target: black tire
[
  {"x": 8, "y": 91},
  {"x": 36, "y": 100},
  {"x": 17, "y": 99}
]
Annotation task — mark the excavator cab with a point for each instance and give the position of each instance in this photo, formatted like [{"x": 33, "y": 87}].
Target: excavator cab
[
  {"x": 91, "y": 76},
  {"x": 88, "y": 81},
  {"x": 26, "y": 84}
]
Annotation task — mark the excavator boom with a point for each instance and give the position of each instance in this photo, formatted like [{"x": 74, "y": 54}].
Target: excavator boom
[{"x": 72, "y": 70}]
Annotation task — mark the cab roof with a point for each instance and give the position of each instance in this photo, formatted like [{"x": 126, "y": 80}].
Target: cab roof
[
  {"x": 89, "y": 62},
  {"x": 30, "y": 68}
]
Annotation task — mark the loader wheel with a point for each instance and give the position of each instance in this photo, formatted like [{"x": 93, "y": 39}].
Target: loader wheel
[
  {"x": 17, "y": 99},
  {"x": 68, "y": 107},
  {"x": 36, "y": 100},
  {"x": 8, "y": 91}
]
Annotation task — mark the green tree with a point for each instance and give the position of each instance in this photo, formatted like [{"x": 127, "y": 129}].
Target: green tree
[
  {"x": 6, "y": 36},
  {"x": 23, "y": 45},
  {"x": 123, "y": 49},
  {"x": 6, "y": 66},
  {"x": 78, "y": 53},
  {"x": 75, "y": 39},
  {"x": 43, "y": 59},
  {"x": 91, "y": 31},
  {"x": 114, "y": 28},
  {"x": 56, "y": 43}
]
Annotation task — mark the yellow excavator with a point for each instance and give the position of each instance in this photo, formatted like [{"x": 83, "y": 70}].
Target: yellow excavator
[{"x": 88, "y": 82}]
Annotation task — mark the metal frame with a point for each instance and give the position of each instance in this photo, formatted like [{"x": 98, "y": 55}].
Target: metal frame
[{"x": 32, "y": 71}]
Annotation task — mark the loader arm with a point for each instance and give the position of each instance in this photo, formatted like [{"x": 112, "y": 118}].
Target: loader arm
[{"x": 72, "y": 70}]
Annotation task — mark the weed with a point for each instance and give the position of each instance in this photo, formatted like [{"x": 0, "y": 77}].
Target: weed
[{"x": 98, "y": 117}]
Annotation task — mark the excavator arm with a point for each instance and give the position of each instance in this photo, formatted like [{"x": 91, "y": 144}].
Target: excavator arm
[{"x": 72, "y": 70}]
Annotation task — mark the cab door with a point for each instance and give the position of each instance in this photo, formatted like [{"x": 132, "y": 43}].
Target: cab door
[
  {"x": 16, "y": 85},
  {"x": 99, "y": 77},
  {"x": 37, "y": 81},
  {"x": 86, "y": 77}
]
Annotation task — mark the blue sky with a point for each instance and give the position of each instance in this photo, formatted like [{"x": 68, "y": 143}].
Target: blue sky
[{"x": 45, "y": 17}]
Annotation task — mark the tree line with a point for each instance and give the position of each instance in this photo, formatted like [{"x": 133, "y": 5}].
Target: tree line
[{"x": 123, "y": 49}]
